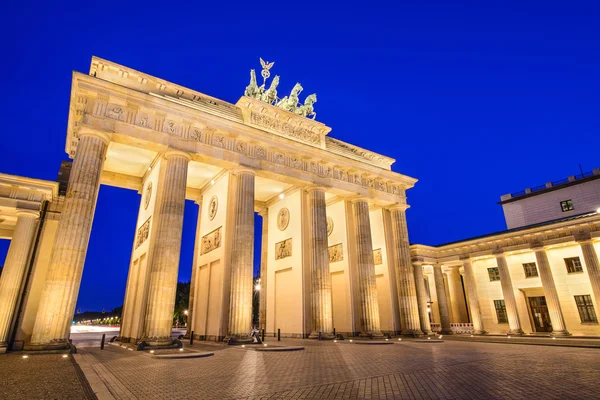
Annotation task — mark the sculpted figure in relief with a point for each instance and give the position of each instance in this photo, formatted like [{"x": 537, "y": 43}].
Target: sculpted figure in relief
[
  {"x": 270, "y": 96},
  {"x": 252, "y": 90}
]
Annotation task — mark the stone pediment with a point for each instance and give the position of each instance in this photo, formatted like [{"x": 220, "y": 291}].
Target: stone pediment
[{"x": 282, "y": 123}]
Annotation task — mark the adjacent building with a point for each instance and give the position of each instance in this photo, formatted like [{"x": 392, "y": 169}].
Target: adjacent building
[{"x": 540, "y": 276}]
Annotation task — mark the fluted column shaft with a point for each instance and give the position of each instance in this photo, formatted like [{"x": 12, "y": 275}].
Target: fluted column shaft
[
  {"x": 14, "y": 271},
  {"x": 440, "y": 289},
  {"x": 556, "y": 316},
  {"x": 514, "y": 324},
  {"x": 164, "y": 263},
  {"x": 242, "y": 253},
  {"x": 593, "y": 267},
  {"x": 321, "y": 303},
  {"x": 473, "y": 298},
  {"x": 262, "y": 315},
  {"x": 367, "y": 285},
  {"x": 57, "y": 303},
  {"x": 407, "y": 293},
  {"x": 421, "y": 298}
]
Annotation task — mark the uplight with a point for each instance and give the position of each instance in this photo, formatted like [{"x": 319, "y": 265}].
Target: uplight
[
  {"x": 26, "y": 356},
  {"x": 265, "y": 345},
  {"x": 151, "y": 351},
  {"x": 399, "y": 339},
  {"x": 281, "y": 196},
  {"x": 65, "y": 356},
  {"x": 180, "y": 349},
  {"x": 243, "y": 345},
  {"x": 350, "y": 340},
  {"x": 212, "y": 182}
]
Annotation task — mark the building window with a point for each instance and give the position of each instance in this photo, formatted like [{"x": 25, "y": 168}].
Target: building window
[
  {"x": 566, "y": 205},
  {"x": 573, "y": 264},
  {"x": 501, "y": 311},
  {"x": 494, "y": 274},
  {"x": 586, "y": 308},
  {"x": 530, "y": 270}
]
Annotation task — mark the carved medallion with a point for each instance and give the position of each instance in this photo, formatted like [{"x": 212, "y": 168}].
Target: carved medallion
[
  {"x": 211, "y": 241},
  {"x": 336, "y": 253},
  {"x": 377, "y": 258},
  {"x": 213, "y": 205},
  {"x": 329, "y": 226},
  {"x": 283, "y": 219},
  {"x": 283, "y": 249},
  {"x": 147, "y": 195}
]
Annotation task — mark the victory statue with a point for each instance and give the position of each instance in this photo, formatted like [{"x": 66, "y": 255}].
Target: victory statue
[{"x": 289, "y": 103}]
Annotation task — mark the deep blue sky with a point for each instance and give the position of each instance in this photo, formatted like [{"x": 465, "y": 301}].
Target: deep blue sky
[{"x": 474, "y": 99}]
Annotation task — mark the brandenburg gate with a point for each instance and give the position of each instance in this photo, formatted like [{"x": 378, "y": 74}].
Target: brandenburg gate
[{"x": 335, "y": 250}]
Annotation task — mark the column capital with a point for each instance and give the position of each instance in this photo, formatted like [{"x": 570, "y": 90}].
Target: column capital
[
  {"x": 398, "y": 207},
  {"x": 465, "y": 258},
  {"x": 537, "y": 246},
  {"x": 242, "y": 170},
  {"x": 172, "y": 153},
  {"x": 583, "y": 237},
  {"x": 498, "y": 252},
  {"x": 24, "y": 213},
  {"x": 84, "y": 131},
  {"x": 358, "y": 199},
  {"x": 311, "y": 188}
]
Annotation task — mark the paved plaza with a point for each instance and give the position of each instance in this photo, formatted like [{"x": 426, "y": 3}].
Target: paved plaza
[{"x": 324, "y": 370}]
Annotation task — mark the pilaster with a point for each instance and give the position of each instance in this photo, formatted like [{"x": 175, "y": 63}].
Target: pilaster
[
  {"x": 592, "y": 265},
  {"x": 474, "y": 308},
  {"x": 421, "y": 297}
]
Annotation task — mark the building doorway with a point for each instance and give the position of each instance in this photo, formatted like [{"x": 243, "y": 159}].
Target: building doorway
[{"x": 539, "y": 314}]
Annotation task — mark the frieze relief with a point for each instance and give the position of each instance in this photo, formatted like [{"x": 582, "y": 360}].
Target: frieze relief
[
  {"x": 211, "y": 241},
  {"x": 283, "y": 249},
  {"x": 285, "y": 129},
  {"x": 336, "y": 253},
  {"x": 142, "y": 233}
]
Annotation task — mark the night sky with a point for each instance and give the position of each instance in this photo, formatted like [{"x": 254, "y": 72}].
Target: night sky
[{"x": 475, "y": 100}]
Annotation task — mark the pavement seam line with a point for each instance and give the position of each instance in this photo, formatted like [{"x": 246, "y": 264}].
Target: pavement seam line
[{"x": 94, "y": 380}]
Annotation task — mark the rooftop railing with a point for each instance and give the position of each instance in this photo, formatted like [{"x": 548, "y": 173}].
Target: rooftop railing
[{"x": 552, "y": 184}]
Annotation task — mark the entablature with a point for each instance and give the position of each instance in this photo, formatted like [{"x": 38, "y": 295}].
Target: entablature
[
  {"x": 557, "y": 234},
  {"x": 151, "y": 120}
]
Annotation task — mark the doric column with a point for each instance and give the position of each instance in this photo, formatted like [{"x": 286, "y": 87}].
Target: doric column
[
  {"x": 321, "y": 303},
  {"x": 262, "y": 314},
  {"x": 367, "y": 285},
  {"x": 197, "y": 244},
  {"x": 407, "y": 293},
  {"x": 593, "y": 266},
  {"x": 556, "y": 317},
  {"x": 242, "y": 253},
  {"x": 164, "y": 263},
  {"x": 459, "y": 308},
  {"x": 57, "y": 302},
  {"x": 14, "y": 271},
  {"x": 514, "y": 324},
  {"x": 440, "y": 289},
  {"x": 473, "y": 298},
  {"x": 421, "y": 297}
]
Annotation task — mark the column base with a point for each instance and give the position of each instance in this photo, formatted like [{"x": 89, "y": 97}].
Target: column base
[
  {"x": 52, "y": 346},
  {"x": 481, "y": 332},
  {"x": 372, "y": 335},
  {"x": 444, "y": 333},
  {"x": 412, "y": 333},
  {"x": 516, "y": 332},
  {"x": 3, "y": 348},
  {"x": 158, "y": 343},
  {"x": 322, "y": 336},
  {"x": 235, "y": 340},
  {"x": 560, "y": 333}
]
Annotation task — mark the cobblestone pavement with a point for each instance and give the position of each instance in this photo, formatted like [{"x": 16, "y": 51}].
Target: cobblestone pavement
[
  {"x": 47, "y": 376},
  {"x": 344, "y": 370}
]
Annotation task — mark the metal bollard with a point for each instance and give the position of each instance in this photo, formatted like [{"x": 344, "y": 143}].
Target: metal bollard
[
  {"x": 102, "y": 342},
  {"x": 192, "y": 338},
  {"x": 263, "y": 335},
  {"x": 333, "y": 331},
  {"x": 278, "y": 334},
  {"x": 319, "y": 336}
]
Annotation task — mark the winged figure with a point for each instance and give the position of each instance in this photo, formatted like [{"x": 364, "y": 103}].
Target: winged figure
[{"x": 265, "y": 64}]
